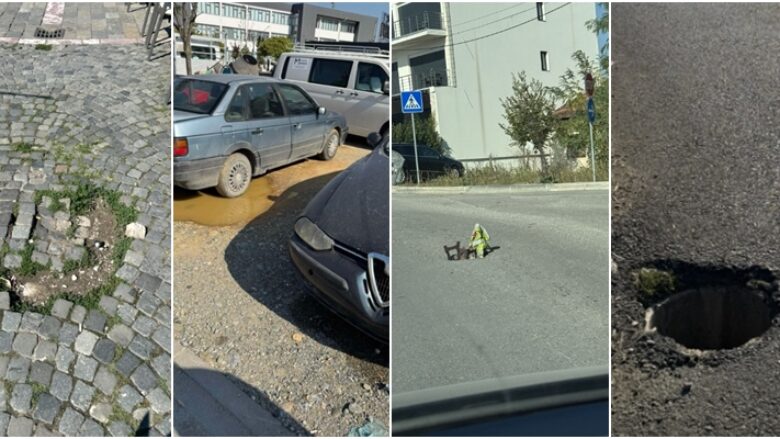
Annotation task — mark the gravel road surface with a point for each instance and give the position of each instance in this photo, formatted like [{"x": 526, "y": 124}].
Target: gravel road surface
[{"x": 242, "y": 309}]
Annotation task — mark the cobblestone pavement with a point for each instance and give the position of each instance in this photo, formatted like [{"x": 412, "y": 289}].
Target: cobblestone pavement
[
  {"x": 96, "y": 113},
  {"x": 80, "y": 21}
]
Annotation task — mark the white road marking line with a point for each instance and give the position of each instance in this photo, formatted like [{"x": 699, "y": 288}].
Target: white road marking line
[{"x": 53, "y": 14}]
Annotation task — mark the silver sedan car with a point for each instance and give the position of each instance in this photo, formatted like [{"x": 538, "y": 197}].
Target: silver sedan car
[{"x": 230, "y": 128}]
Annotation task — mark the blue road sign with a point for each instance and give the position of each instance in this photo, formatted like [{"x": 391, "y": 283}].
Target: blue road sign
[
  {"x": 591, "y": 111},
  {"x": 411, "y": 101}
]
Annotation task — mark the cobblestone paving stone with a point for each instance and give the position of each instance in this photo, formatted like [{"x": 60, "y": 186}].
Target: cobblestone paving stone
[{"x": 82, "y": 371}]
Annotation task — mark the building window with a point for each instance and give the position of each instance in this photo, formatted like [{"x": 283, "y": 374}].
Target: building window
[
  {"x": 545, "y": 61},
  {"x": 206, "y": 30},
  {"x": 232, "y": 33},
  {"x": 540, "y": 12},
  {"x": 279, "y": 18},
  {"x": 255, "y": 36},
  {"x": 210, "y": 8},
  {"x": 348, "y": 26},
  {"x": 326, "y": 23},
  {"x": 231, "y": 11},
  {"x": 259, "y": 15}
]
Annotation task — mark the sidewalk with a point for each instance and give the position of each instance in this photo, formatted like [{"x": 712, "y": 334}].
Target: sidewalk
[
  {"x": 81, "y": 23},
  {"x": 207, "y": 403},
  {"x": 523, "y": 187}
]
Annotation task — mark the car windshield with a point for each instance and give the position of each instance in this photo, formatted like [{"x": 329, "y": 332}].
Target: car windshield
[{"x": 197, "y": 96}]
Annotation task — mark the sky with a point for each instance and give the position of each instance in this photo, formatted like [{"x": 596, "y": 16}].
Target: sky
[{"x": 373, "y": 9}]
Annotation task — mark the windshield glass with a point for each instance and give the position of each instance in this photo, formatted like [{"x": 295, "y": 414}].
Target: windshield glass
[{"x": 197, "y": 96}]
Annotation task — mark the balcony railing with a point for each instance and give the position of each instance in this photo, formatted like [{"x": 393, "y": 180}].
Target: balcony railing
[
  {"x": 424, "y": 79},
  {"x": 425, "y": 21}
]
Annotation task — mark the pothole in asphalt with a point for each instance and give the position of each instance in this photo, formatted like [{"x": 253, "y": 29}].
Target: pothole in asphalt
[
  {"x": 707, "y": 307},
  {"x": 720, "y": 317}
]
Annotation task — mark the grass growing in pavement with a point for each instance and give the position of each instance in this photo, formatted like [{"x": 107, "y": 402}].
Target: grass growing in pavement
[
  {"x": 44, "y": 47},
  {"x": 655, "y": 283},
  {"x": 29, "y": 267},
  {"x": 23, "y": 147},
  {"x": 83, "y": 197}
]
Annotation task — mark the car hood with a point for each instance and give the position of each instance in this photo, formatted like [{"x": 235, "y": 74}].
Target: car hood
[
  {"x": 179, "y": 115},
  {"x": 353, "y": 208}
]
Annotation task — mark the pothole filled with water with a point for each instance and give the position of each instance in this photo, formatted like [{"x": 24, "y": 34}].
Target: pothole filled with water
[{"x": 714, "y": 317}]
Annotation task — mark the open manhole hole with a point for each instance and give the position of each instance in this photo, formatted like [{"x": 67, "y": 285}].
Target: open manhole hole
[
  {"x": 49, "y": 34},
  {"x": 716, "y": 317}
]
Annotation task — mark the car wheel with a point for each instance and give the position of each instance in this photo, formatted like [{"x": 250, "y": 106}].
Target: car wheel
[
  {"x": 235, "y": 176},
  {"x": 452, "y": 172},
  {"x": 400, "y": 176},
  {"x": 331, "y": 145}
]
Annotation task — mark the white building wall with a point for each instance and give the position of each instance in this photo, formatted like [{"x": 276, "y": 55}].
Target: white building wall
[{"x": 468, "y": 114}]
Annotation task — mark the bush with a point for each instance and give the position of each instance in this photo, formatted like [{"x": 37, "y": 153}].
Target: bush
[{"x": 425, "y": 128}]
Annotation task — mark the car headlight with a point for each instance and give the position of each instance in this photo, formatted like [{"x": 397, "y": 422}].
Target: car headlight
[{"x": 312, "y": 235}]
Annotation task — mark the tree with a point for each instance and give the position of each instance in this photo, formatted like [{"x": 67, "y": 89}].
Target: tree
[
  {"x": 235, "y": 51},
  {"x": 244, "y": 50},
  {"x": 184, "y": 15},
  {"x": 598, "y": 26},
  {"x": 528, "y": 112},
  {"x": 425, "y": 128},
  {"x": 274, "y": 47},
  {"x": 573, "y": 132}
]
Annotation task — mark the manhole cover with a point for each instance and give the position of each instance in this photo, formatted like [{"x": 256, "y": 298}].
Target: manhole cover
[
  {"x": 43, "y": 33},
  {"x": 717, "y": 317}
]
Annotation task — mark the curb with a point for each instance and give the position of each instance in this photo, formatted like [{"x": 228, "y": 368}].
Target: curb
[
  {"x": 72, "y": 42},
  {"x": 218, "y": 404},
  {"x": 510, "y": 188}
]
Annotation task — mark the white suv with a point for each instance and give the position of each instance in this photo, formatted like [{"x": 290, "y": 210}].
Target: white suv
[{"x": 357, "y": 86}]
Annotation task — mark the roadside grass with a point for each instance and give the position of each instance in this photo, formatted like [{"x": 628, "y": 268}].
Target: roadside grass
[
  {"x": 497, "y": 175},
  {"x": 44, "y": 47}
]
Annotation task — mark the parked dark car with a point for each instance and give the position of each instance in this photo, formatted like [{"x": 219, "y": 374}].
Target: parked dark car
[
  {"x": 341, "y": 244},
  {"x": 230, "y": 128},
  {"x": 432, "y": 163}
]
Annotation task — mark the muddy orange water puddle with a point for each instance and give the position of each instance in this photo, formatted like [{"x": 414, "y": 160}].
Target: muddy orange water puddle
[{"x": 208, "y": 208}]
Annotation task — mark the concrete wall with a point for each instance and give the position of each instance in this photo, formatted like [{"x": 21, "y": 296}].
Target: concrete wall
[{"x": 366, "y": 28}]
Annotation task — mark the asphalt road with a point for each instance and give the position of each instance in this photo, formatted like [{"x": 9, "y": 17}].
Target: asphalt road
[
  {"x": 537, "y": 303},
  {"x": 696, "y": 181}
]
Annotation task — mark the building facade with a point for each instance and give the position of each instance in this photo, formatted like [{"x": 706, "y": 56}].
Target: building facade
[
  {"x": 242, "y": 24},
  {"x": 463, "y": 55}
]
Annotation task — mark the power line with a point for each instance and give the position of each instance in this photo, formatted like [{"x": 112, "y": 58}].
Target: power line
[
  {"x": 486, "y": 15},
  {"x": 482, "y": 37},
  {"x": 494, "y": 21}
]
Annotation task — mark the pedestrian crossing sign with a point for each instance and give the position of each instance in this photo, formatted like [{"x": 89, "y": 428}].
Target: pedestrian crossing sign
[{"x": 411, "y": 101}]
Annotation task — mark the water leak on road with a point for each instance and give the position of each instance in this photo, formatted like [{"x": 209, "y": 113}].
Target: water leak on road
[{"x": 208, "y": 208}]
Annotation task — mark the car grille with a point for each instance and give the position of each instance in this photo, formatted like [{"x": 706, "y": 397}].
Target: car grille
[{"x": 378, "y": 278}]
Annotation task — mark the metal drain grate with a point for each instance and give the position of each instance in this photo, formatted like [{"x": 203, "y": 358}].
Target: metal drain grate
[{"x": 43, "y": 33}]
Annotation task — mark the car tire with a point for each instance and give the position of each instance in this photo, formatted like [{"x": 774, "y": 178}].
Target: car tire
[
  {"x": 452, "y": 172},
  {"x": 331, "y": 146},
  {"x": 235, "y": 176},
  {"x": 400, "y": 176}
]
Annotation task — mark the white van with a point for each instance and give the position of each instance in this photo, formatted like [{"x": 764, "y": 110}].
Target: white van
[{"x": 355, "y": 85}]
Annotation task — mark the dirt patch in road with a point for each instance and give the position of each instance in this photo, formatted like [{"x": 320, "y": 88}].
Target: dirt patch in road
[{"x": 208, "y": 208}]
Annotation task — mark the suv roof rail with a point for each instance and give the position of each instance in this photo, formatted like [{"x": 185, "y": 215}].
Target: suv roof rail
[{"x": 348, "y": 50}]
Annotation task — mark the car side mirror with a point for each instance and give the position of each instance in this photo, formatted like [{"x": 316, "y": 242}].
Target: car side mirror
[
  {"x": 373, "y": 139},
  {"x": 386, "y": 88},
  {"x": 321, "y": 111}
]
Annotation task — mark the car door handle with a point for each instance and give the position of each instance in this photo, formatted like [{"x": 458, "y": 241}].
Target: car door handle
[
  {"x": 258, "y": 131},
  {"x": 297, "y": 126},
  {"x": 339, "y": 92},
  {"x": 354, "y": 93}
]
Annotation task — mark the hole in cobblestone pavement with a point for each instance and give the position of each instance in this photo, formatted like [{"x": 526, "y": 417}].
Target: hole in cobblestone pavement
[
  {"x": 717, "y": 317},
  {"x": 66, "y": 244},
  {"x": 49, "y": 34}
]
